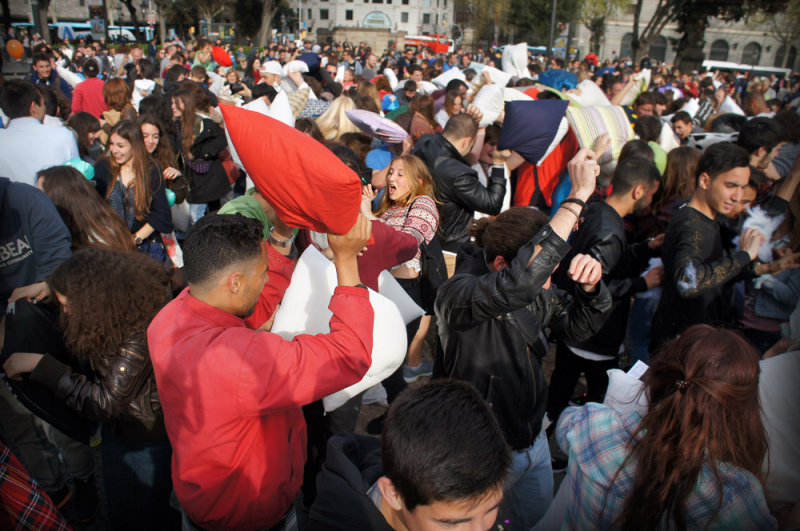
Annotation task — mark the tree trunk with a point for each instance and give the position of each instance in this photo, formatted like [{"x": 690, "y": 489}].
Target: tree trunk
[
  {"x": 637, "y": 14},
  {"x": 162, "y": 24},
  {"x": 132, "y": 11},
  {"x": 42, "y": 14},
  {"x": 268, "y": 10},
  {"x": 6, "y": 13},
  {"x": 689, "y": 55}
]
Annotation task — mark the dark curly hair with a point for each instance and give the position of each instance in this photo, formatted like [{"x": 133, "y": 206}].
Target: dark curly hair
[{"x": 110, "y": 296}]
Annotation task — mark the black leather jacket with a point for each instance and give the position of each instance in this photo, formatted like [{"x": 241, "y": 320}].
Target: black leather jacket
[
  {"x": 601, "y": 235},
  {"x": 458, "y": 189},
  {"x": 491, "y": 324},
  {"x": 123, "y": 392}
]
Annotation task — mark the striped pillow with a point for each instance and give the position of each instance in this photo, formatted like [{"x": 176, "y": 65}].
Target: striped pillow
[{"x": 589, "y": 123}]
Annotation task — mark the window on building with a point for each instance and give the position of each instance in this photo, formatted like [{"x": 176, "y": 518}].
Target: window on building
[
  {"x": 405, "y": 2},
  {"x": 323, "y": 14},
  {"x": 658, "y": 50},
  {"x": 377, "y": 1},
  {"x": 404, "y": 17},
  {"x": 751, "y": 54},
  {"x": 348, "y": 14},
  {"x": 437, "y": 19},
  {"x": 82, "y": 3},
  {"x": 349, "y": 1},
  {"x": 719, "y": 50},
  {"x": 625, "y": 48},
  {"x": 426, "y": 18},
  {"x": 426, "y": 3},
  {"x": 309, "y": 13},
  {"x": 445, "y": 3}
]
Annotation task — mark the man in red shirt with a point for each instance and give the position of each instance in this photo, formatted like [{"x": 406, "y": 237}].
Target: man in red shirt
[
  {"x": 88, "y": 94},
  {"x": 231, "y": 395}
]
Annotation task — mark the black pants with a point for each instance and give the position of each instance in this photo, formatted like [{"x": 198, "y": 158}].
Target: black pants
[
  {"x": 395, "y": 384},
  {"x": 569, "y": 367}
]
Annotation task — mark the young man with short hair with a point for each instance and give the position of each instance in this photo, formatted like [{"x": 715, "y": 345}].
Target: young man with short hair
[
  {"x": 441, "y": 463},
  {"x": 601, "y": 234},
  {"x": 682, "y": 124},
  {"x": 458, "y": 189},
  {"x": 45, "y": 74},
  {"x": 231, "y": 395},
  {"x": 699, "y": 273}
]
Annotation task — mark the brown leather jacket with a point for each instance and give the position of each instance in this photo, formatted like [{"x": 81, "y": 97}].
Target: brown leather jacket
[{"x": 123, "y": 392}]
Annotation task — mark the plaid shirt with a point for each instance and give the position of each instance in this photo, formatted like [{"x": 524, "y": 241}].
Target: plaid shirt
[
  {"x": 22, "y": 504},
  {"x": 596, "y": 438}
]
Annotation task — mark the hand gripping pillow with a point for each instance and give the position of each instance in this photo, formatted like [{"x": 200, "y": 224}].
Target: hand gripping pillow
[
  {"x": 642, "y": 82},
  {"x": 589, "y": 123},
  {"x": 304, "y": 310},
  {"x": 306, "y": 184}
]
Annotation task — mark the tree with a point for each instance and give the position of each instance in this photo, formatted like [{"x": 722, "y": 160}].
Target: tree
[
  {"x": 593, "y": 14},
  {"x": 785, "y": 27},
  {"x": 268, "y": 9},
  {"x": 532, "y": 17},
  {"x": 693, "y": 18}
]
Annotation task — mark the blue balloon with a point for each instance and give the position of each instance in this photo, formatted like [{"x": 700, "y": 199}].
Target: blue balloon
[
  {"x": 82, "y": 166},
  {"x": 170, "y": 197}
]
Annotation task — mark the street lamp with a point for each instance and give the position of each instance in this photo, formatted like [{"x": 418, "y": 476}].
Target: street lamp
[{"x": 551, "y": 37}]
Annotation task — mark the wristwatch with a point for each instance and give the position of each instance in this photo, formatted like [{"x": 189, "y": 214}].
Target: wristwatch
[
  {"x": 280, "y": 243},
  {"x": 137, "y": 240}
]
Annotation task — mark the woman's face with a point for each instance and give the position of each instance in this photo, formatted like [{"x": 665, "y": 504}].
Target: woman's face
[
  {"x": 457, "y": 107},
  {"x": 256, "y": 65},
  {"x": 177, "y": 108},
  {"x": 396, "y": 180},
  {"x": 121, "y": 149},
  {"x": 231, "y": 77},
  {"x": 151, "y": 137}
]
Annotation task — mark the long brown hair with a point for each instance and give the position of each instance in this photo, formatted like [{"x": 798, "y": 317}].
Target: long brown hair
[
  {"x": 90, "y": 220},
  {"x": 423, "y": 104},
  {"x": 679, "y": 175},
  {"x": 141, "y": 162},
  {"x": 419, "y": 182},
  {"x": 703, "y": 409},
  {"x": 110, "y": 296},
  {"x": 117, "y": 94},
  {"x": 188, "y": 108},
  {"x": 163, "y": 154}
]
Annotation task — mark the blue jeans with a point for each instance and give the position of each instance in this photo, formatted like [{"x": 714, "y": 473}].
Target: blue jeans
[
  {"x": 641, "y": 321},
  {"x": 138, "y": 484},
  {"x": 529, "y": 485},
  {"x": 197, "y": 211}
]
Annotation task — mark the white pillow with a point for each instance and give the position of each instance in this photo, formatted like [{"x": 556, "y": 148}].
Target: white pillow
[
  {"x": 391, "y": 77},
  {"x": 728, "y": 105},
  {"x": 497, "y": 76},
  {"x": 642, "y": 82},
  {"x": 389, "y": 287},
  {"x": 563, "y": 127},
  {"x": 623, "y": 394},
  {"x": 304, "y": 310},
  {"x": 692, "y": 106},
  {"x": 590, "y": 94},
  {"x": 294, "y": 66},
  {"x": 515, "y": 60},
  {"x": 490, "y": 101},
  {"x": 667, "y": 139},
  {"x": 443, "y": 79},
  {"x": 281, "y": 109}
]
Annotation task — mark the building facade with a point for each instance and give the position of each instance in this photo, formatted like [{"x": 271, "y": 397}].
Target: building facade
[
  {"x": 736, "y": 42},
  {"x": 409, "y": 16}
]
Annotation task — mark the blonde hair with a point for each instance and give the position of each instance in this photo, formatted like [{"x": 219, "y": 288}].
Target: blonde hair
[
  {"x": 333, "y": 123},
  {"x": 419, "y": 182}
]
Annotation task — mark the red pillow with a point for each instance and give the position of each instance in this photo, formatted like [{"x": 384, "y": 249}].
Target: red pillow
[
  {"x": 306, "y": 184},
  {"x": 221, "y": 56}
]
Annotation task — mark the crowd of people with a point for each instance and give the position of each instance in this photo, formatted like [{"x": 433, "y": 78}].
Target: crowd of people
[{"x": 598, "y": 213}]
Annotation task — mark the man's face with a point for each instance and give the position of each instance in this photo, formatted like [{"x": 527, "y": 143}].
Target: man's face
[
  {"x": 136, "y": 53},
  {"x": 203, "y": 55},
  {"x": 43, "y": 69},
  {"x": 646, "y": 200},
  {"x": 682, "y": 129},
  {"x": 770, "y": 156},
  {"x": 252, "y": 279},
  {"x": 372, "y": 60},
  {"x": 748, "y": 196},
  {"x": 646, "y": 109},
  {"x": 486, "y": 152},
  {"x": 417, "y": 76},
  {"x": 410, "y": 94},
  {"x": 723, "y": 193},
  {"x": 454, "y": 515}
]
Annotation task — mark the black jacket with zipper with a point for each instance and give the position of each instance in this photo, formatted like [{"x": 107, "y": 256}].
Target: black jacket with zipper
[
  {"x": 459, "y": 193},
  {"x": 491, "y": 330}
]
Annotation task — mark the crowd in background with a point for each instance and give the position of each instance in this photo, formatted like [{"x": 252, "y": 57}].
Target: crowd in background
[{"x": 602, "y": 213}]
